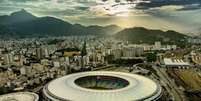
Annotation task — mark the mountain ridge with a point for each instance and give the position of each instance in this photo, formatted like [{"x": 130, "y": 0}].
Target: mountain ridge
[
  {"x": 28, "y": 25},
  {"x": 16, "y": 17},
  {"x": 142, "y": 35}
]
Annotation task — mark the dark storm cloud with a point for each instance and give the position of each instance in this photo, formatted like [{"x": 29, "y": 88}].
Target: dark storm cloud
[
  {"x": 140, "y": 5},
  {"x": 160, "y": 3},
  {"x": 190, "y": 7}
]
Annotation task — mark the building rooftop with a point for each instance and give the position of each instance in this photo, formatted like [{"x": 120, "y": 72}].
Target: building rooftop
[{"x": 175, "y": 62}]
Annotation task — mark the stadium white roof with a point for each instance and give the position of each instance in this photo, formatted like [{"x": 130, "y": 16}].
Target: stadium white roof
[
  {"x": 139, "y": 88},
  {"x": 175, "y": 62},
  {"x": 19, "y": 96}
]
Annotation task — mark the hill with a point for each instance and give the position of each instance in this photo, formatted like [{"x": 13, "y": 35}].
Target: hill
[
  {"x": 16, "y": 17},
  {"x": 143, "y": 35},
  {"x": 24, "y": 24}
]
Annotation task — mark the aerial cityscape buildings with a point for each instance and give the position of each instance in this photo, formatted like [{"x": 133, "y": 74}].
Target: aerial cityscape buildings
[
  {"x": 100, "y": 50},
  {"x": 36, "y": 66}
]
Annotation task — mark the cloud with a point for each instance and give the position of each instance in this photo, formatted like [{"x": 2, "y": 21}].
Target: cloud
[
  {"x": 141, "y": 12},
  {"x": 190, "y": 7},
  {"x": 21, "y": 0},
  {"x": 78, "y": 7},
  {"x": 160, "y": 3},
  {"x": 45, "y": 6}
]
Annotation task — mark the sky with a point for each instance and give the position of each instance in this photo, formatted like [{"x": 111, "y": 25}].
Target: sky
[{"x": 180, "y": 15}]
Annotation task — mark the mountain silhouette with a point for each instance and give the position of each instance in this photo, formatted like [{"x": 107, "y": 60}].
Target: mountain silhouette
[{"x": 24, "y": 24}]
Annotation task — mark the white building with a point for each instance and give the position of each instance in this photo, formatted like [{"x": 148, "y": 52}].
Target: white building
[
  {"x": 56, "y": 64},
  {"x": 132, "y": 51},
  {"x": 157, "y": 45},
  {"x": 23, "y": 70},
  {"x": 169, "y": 62},
  {"x": 8, "y": 58}
]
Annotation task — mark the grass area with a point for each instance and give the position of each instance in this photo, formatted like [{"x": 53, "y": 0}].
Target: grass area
[{"x": 190, "y": 80}]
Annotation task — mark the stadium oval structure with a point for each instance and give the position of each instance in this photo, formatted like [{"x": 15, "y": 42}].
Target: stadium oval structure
[
  {"x": 20, "y": 96},
  {"x": 102, "y": 86}
]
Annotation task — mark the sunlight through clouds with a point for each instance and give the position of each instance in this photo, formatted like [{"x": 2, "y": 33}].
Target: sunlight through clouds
[{"x": 177, "y": 13}]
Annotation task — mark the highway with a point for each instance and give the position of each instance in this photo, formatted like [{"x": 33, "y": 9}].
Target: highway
[{"x": 37, "y": 89}]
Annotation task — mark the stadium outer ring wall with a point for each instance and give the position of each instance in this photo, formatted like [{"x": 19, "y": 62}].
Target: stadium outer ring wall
[{"x": 49, "y": 96}]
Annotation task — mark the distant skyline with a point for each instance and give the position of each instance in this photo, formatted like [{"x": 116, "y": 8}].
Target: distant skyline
[{"x": 180, "y": 15}]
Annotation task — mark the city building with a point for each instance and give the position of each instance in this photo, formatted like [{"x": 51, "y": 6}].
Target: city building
[
  {"x": 39, "y": 53},
  {"x": 178, "y": 63},
  {"x": 117, "y": 53},
  {"x": 128, "y": 51},
  {"x": 194, "y": 40},
  {"x": 8, "y": 58},
  {"x": 132, "y": 51},
  {"x": 102, "y": 86},
  {"x": 157, "y": 45}
]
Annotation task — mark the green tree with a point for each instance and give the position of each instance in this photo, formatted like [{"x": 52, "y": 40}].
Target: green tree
[
  {"x": 83, "y": 53},
  {"x": 151, "y": 57},
  {"x": 84, "y": 50}
]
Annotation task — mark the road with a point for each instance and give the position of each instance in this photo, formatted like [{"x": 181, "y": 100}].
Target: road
[
  {"x": 37, "y": 89},
  {"x": 169, "y": 84}
]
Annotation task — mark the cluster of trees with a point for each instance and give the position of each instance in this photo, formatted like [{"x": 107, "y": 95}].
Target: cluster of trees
[
  {"x": 125, "y": 61},
  {"x": 5, "y": 90},
  {"x": 151, "y": 57}
]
